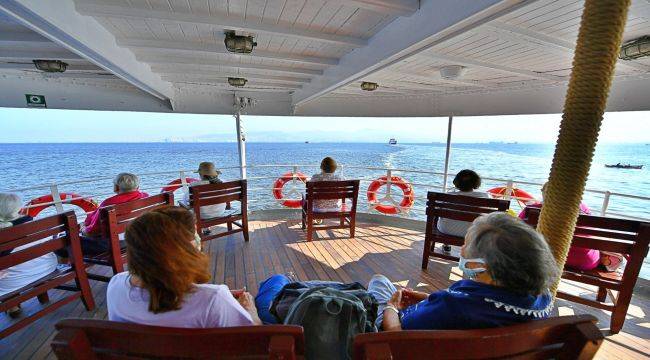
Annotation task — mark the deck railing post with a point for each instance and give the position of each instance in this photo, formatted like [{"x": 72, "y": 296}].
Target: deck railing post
[
  {"x": 241, "y": 144},
  {"x": 509, "y": 186},
  {"x": 603, "y": 210},
  {"x": 183, "y": 181},
  {"x": 447, "y": 154},
  {"x": 389, "y": 177},
  {"x": 56, "y": 197}
]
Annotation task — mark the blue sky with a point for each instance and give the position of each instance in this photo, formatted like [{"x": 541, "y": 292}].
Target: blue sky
[{"x": 47, "y": 125}]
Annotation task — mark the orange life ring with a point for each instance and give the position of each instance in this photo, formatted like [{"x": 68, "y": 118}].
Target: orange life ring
[
  {"x": 176, "y": 184},
  {"x": 408, "y": 196},
  {"x": 86, "y": 204},
  {"x": 279, "y": 184},
  {"x": 522, "y": 197}
]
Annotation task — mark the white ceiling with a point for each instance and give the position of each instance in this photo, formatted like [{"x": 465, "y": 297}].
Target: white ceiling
[{"x": 312, "y": 55}]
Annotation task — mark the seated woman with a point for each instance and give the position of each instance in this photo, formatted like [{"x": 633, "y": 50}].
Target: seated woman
[
  {"x": 166, "y": 284},
  {"x": 209, "y": 175},
  {"x": 328, "y": 173},
  {"x": 466, "y": 182},
  {"x": 126, "y": 187},
  {"x": 578, "y": 258},
  {"x": 20, "y": 275},
  {"x": 509, "y": 266}
]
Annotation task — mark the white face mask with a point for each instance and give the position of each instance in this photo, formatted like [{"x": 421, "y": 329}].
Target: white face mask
[{"x": 470, "y": 273}]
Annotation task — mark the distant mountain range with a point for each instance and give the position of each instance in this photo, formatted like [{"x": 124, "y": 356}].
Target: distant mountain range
[{"x": 357, "y": 136}]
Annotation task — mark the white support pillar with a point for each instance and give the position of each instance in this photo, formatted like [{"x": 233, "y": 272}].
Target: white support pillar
[
  {"x": 447, "y": 154},
  {"x": 241, "y": 144}
]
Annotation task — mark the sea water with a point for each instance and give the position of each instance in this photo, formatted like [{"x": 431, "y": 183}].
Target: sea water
[{"x": 28, "y": 165}]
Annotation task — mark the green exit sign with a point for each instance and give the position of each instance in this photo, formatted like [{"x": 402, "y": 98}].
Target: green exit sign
[{"x": 35, "y": 100}]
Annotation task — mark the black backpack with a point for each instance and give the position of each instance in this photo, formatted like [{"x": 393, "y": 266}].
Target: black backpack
[{"x": 331, "y": 319}]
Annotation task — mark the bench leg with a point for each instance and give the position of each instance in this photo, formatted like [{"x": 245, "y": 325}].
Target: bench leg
[
  {"x": 352, "y": 228},
  {"x": 620, "y": 310},
  {"x": 245, "y": 229},
  {"x": 425, "y": 254},
  {"x": 310, "y": 228},
  {"x": 229, "y": 226},
  {"x": 602, "y": 294}
]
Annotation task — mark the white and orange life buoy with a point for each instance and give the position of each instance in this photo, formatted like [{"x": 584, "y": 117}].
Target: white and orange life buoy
[
  {"x": 176, "y": 184},
  {"x": 279, "y": 184},
  {"x": 45, "y": 201},
  {"x": 522, "y": 197},
  {"x": 408, "y": 196}
]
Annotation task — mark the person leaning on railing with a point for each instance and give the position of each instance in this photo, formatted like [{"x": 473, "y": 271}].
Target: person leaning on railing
[
  {"x": 509, "y": 267},
  {"x": 126, "y": 187},
  {"x": 466, "y": 183},
  {"x": 166, "y": 284},
  {"x": 20, "y": 275}
]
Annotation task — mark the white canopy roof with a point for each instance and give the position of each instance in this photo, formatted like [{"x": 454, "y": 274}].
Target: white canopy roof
[{"x": 312, "y": 55}]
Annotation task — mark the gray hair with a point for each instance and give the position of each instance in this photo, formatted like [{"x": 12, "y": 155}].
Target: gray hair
[
  {"x": 126, "y": 182},
  {"x": 10, "y": 205},
  {"x": 518, "y": 257}
]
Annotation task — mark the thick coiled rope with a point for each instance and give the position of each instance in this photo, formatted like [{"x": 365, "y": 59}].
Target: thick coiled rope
[{"x": 598, "y": 44}]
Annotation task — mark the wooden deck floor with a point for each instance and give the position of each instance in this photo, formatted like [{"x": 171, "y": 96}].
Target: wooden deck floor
[{"x": 280, "y": 246}]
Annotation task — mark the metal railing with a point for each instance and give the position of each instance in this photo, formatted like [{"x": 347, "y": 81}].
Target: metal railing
[{"x": 262, "y": 179}]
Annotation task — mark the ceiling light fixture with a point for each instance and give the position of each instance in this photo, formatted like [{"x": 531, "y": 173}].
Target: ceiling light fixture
[
  {"x": 239, "y": 44},
  {"x": 237, "y": 82},
  {"x": 369, "y": 86},
  {"x": 635, "y": 49},
  {"x": 50, "y": 66},
  {"x": 452, "y": 72}
]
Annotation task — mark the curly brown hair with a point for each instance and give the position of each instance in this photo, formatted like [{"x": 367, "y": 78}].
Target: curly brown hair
[{"x": 160, "y": 253}]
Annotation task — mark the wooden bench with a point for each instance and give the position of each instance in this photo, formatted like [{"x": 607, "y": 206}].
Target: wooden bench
[
  {"x": 330, "y": 190},
  {"x": 629, "y": 238},
  {"x": 223, "y": 193},
  {"x": 454, "y": 207},
  {"x": 113, "y": 221},
  {"x": 567, "y": 337},
  {"x": 93, "y": 339},
  {"x": 66, "y": 229}
]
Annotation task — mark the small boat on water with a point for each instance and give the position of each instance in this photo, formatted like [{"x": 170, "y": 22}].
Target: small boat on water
[
  {"x": 392, "y": 141},
  {"x": 624, "y": 166}
]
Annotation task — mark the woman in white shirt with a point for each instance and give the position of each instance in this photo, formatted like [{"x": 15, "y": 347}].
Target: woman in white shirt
[
  {"x": 466, "y": 183},
  {"x": 166, "y": 284},
  {"x": 20, "y": 275}
]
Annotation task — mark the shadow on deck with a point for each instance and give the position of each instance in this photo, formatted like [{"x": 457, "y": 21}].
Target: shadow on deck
[{"x": 280, "y": 247}]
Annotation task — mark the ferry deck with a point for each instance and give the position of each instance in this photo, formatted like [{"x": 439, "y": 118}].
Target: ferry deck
[{"x": 361, "y": 58}]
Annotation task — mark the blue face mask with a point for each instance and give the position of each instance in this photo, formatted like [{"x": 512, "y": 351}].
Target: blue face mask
[{"x": 470, "y": 273}]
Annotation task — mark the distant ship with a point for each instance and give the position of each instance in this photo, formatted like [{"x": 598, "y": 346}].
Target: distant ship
[
  {"x": 392, "y": 141},
  {"x": 306, "y": 142},
  {"x": 624, "y": 166}
]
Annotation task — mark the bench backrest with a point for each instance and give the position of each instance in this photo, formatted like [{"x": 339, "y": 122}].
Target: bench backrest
[
  {"x": 621, "y": 236},
  {"x": 64, "y": 225},
  {"x": 333, "y": 190},
  {"x": 568, "y": 337},
  {"x": 221, "y": 193},
  {"x": 116, "y": 218},
  {"x": 84, "y": 339},
  {"x": 461, "y": 207}
]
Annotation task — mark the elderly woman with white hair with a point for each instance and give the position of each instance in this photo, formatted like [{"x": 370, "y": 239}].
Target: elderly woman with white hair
[
  {"x": 20, "y": 275},
  {"x": 509, "y": 267},
  {"x": 126, "y": 187}
]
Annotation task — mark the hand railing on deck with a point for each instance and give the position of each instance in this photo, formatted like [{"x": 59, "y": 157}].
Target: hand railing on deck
[{"x": 260, "y": 191}]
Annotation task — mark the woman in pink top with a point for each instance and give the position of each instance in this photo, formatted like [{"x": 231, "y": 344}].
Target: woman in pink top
[
  {"x": 578, "y": 257},
  {"x": 167, "y": 281}
]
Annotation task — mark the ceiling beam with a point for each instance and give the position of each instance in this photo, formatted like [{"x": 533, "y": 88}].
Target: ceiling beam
[
  {"x": 59, "y": 22},
  {"x": 193, "y": 47},
  {"x": 63, "y": 55},
  {"x": 388, "y": 7},
  {"x": 457, "y": 60},
  {"x": 223, "y": 74},
  {"x": 220, "y": 21},
  {"x": 30, "y": 66},
  {"x": 521, "y": 35},
  {"x": 224, "y": 84},
  {"x": 31, "y": 37},
  {"x": 194, "y": 61},
  {"x": 435, "y": 22},
  {"x": 435, "y": 78}
]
